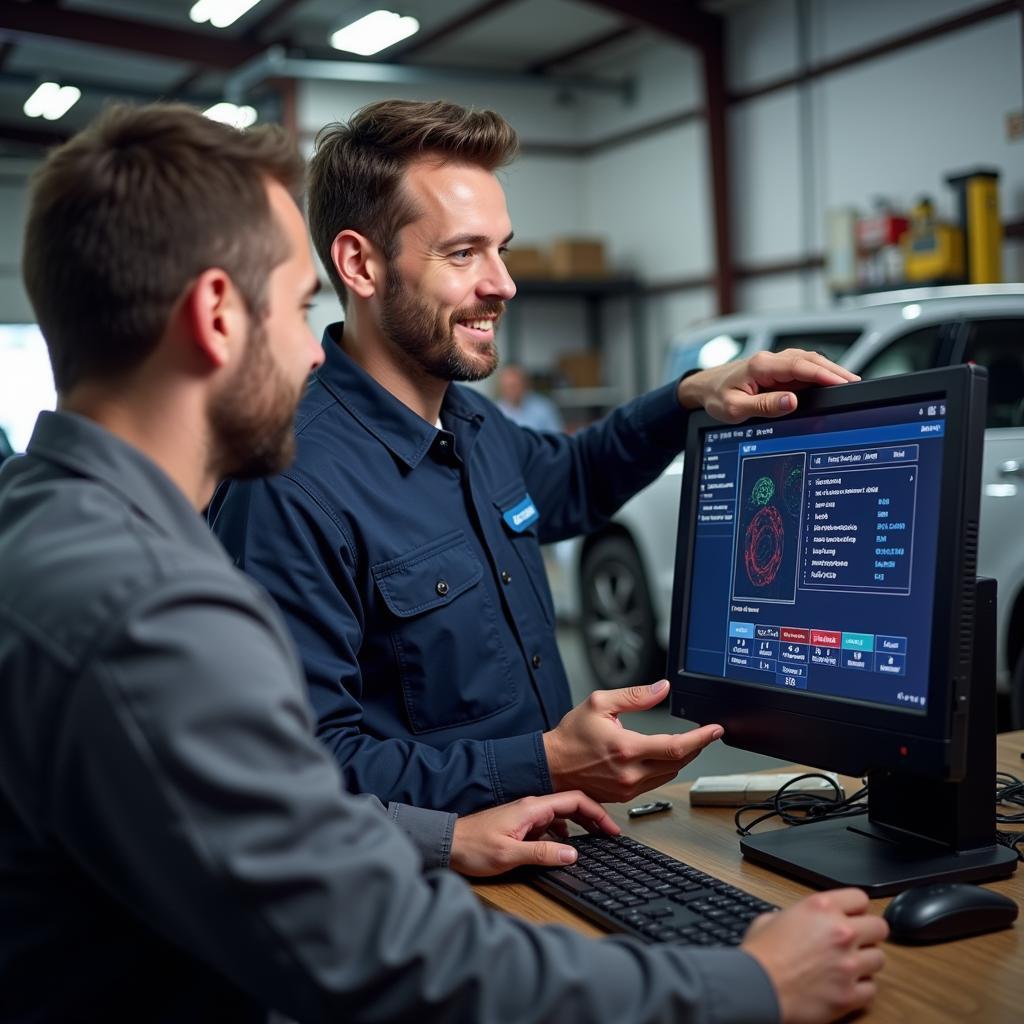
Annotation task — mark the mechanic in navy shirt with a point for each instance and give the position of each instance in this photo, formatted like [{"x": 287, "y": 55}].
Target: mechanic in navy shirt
[{"x": 403, "y": 544}]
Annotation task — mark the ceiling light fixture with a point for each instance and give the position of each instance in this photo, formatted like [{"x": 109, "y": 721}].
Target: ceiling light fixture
[
  {"x": 51, "y": 101},
  {"x": 229, "y": 113},
  {"x": 375, "y": 32},
  {"x": 220, "y": 13}
]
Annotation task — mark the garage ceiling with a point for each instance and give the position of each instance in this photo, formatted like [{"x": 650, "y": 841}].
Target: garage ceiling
[{"x": 150, "y": 49}]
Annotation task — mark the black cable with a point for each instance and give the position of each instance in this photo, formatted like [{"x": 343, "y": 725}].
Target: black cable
[
  {"x": 1010, "y": 790},
  {"x": 798, "y": 808},
  {"x": 803, "y": 808}
]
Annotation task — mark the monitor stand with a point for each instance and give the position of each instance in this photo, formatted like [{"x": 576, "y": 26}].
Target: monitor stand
[{"x": 916, "y": 831}]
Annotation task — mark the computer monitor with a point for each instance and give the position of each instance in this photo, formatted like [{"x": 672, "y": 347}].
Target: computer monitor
[{"x": 826, "y": 611}]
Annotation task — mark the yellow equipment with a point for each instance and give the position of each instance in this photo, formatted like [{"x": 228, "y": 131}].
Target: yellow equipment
[
  {"x": 933, "y": 251},
  {"x": 978, "y": 194}
]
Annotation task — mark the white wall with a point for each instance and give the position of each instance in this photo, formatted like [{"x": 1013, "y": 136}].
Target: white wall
[
  {"x": 892, "y": 126},
  {"x": 14, "y": 304}
]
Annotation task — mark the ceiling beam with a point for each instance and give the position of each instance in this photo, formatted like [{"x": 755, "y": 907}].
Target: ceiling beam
[
  {"x": 41, "y": 138},
  {"x": 272, "y": 14},
  {"x": 545, "y": 64},
  {"x": 27, "y": 20},
  {"x": 683, "y": 20},
  {"x": 448, "y": 28}
]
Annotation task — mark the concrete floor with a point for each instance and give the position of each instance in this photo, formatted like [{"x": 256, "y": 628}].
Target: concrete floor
[{"x": 718, "y": 759}]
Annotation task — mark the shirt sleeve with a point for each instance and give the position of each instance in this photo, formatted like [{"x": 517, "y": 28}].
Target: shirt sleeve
[
  {"x": 282, "y": 535},
  {"x": 578, "y": 482},
  {"x": 186, "y": 783}
]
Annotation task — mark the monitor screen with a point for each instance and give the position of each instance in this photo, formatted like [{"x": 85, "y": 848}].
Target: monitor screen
[
  {"x": 817, "y": 518},
  {"x": 824, "y": 572}
]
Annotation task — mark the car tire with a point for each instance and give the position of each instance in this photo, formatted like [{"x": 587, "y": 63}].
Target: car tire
[{"x": 617, "y": 616}]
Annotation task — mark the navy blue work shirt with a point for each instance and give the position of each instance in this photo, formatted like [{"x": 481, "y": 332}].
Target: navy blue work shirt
[{"x": 406, "y": 560}]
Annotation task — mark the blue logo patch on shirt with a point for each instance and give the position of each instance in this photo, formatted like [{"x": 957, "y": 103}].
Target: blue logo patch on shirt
[{"x": 522, "y": 515}]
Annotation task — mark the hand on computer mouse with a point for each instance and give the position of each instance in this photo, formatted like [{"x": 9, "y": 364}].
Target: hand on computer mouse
[{"x": 821, "y": 954}]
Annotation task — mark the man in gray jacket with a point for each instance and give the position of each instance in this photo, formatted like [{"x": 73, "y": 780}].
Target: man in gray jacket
[{"x": 174, "y": 843}]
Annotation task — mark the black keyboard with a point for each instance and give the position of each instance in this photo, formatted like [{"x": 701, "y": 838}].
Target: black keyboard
[{"x": 625, "y": 886}]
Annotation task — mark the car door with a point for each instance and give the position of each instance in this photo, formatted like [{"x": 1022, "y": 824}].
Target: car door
[{"x": 997, "y": 343}]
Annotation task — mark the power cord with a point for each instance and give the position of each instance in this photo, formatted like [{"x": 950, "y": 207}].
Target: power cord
[
  {"x": 800, "y": 808},
  {"x": 1010, "y": 791}
]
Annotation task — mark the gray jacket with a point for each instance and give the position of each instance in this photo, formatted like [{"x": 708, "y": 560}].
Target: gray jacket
[{"x": 175, "y": 845}]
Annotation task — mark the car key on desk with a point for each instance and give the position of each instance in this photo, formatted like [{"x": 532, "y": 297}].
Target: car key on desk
[{"x": 652, "y": 808}]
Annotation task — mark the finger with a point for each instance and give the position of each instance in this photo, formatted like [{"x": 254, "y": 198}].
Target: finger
[
  {"x": 630, "y": 698},
  {"x": 559, "y": 829},
  {"x": 681, "y": 747},
  {"x": 542, "y": 853},
  {"x": 797, "y": 365},
  {"x": 861, "y": 994},
  {"x": 871, "y": 930},
  {"x": 869, "y": 962},
  {"x": 847, "y": 901},
  {"x": 584, "y": 810}
]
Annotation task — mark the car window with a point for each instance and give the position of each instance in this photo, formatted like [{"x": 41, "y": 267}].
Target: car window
[
  {"x": 831, "y": 344},
  {"x": 998, "y": 345},
  {"x": 908, "y": 353},
  {"x": 688, "y": 357}
]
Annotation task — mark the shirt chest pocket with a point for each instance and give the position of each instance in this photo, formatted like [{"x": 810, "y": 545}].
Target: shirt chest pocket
[{"x": 444, "y": 634}]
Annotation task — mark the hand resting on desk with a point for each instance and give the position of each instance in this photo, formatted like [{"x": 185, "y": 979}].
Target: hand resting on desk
[{"x": 821, "y": 955}]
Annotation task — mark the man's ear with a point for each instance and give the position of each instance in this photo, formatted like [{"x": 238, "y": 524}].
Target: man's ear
[
  {"x": 217, "y": 317},
  {"x": 359, "y": 263}
]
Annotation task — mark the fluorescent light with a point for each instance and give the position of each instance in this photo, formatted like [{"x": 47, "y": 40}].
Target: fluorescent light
[
  {"x": 51, "y": 101},
  {"x": 220, "y": 13},
  {"x": 228, "y": 113},
  {"x": 374, "y": 33}
]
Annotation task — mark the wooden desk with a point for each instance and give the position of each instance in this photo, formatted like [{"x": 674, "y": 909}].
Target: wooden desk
[{"x": 978, "y": 979}]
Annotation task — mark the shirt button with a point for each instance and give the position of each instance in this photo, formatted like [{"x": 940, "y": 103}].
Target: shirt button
[
  {"x": 441, "y": 587},
  {"x": 536, "y": 661},
  {"x": 506, "y": 576}
]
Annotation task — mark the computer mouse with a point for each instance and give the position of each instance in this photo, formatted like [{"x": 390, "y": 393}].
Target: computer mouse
[{"x": 946, "y": 911}]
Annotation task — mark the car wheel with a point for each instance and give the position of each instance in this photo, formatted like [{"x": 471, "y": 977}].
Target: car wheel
[{"x": 618, "y": 617}]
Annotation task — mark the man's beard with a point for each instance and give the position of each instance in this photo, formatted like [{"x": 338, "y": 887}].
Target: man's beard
[
  {"x": 427, "y": 339},
  {"x": 253, "y": 417}
]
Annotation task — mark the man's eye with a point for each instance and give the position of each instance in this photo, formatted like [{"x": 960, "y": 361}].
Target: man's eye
[{"x": 462, "y": 254}]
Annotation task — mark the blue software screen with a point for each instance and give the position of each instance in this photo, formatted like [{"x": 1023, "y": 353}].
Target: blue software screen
[{"x": 814, "y": 554}]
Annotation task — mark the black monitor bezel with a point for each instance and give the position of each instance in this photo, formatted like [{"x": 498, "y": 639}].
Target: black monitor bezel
[{"x": 853, "y": 737}]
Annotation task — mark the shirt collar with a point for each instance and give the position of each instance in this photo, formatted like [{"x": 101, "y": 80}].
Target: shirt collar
[
  {"x": 405, "y": 434},
  {"x": 84, "y": 447}
]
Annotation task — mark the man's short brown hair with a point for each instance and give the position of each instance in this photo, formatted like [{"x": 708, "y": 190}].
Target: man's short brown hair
[
  {"x": 356, "y": 173},
  {"x": 128, "y": 212}
]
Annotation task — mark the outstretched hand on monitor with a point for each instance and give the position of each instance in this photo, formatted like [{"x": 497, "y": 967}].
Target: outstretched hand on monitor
[
  {"x": 763, "y": 385},
  {"x": 591, "y": 750}
]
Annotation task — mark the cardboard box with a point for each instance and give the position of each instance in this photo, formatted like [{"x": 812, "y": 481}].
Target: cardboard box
[
  {"x": 526, "y": 261},
  {"x": 581, "y": 369},
  {"x": 578, "y": 257}
]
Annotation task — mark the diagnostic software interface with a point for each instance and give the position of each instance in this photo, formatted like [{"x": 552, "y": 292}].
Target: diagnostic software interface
[{"x": 813, "y": 564}]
